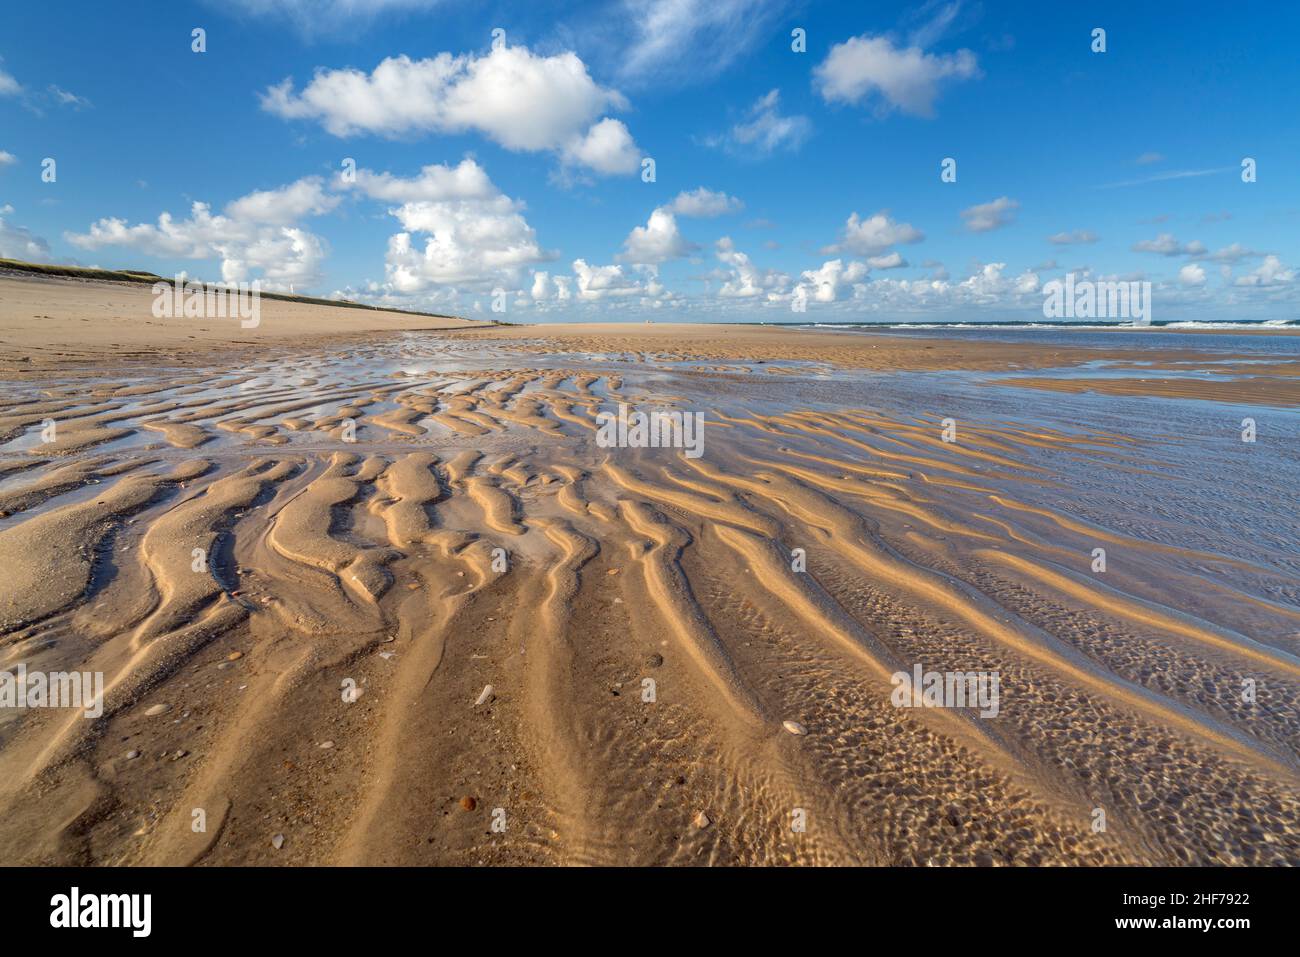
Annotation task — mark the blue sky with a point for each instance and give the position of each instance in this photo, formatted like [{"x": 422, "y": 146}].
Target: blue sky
[{"x": 517, "y": 165}]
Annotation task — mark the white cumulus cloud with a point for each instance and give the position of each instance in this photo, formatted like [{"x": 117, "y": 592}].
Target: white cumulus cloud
[
  {"x": 744, "y": 280},
  {"x": 255, "y": 238},
  {"x": 521, "y": 100},
  {"x": 1271, "y": 272},
  {"x": 1166, "y": 245},
  {"x": 458, "y": 229},
  {"x": 892, "y": 260},
  {"x": 607, "y": 148},
  {"x": 704, "y": 203},
  {"x": 288, "y": 204},
  {"x": 989, "y": 216},
  {"x": 874, "y": 235},
  {"x": 874, "y": 70},
  {"x": 603, "y": 282},
  {"x": 658, "y": 241},
  {"x": 827, "y": 283},
  {"x": 1232, "y": 253},
  {"x": 18, "y": 242}
]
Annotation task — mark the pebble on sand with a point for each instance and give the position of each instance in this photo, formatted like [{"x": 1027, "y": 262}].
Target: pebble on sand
[
  {"x": 327, "y": 745},
  {"x": 468, "y": 803},
  {"x": 277, "y": 842},
  {"x": 157, "y": 709},
  {"x": 132, "y": 755},
  {"x": 234, "y": 656},
  {"x": 794, "y": 727},
  {"x": 701, "y": 820},
  {"x": 484, "y": 696}
]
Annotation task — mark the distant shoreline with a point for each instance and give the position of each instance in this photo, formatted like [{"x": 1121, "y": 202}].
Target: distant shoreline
[{"x": 1280, "y": 327}]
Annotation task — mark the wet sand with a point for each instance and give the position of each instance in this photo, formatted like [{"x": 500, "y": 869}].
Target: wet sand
[
  {"x": 677, "y": 342},
  {"x": 1273, "y": 390},
  {"x": 391, "y": 522}
]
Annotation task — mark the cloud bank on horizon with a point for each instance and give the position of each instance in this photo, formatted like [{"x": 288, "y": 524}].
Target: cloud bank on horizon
[{"x": 735, "y": 160}]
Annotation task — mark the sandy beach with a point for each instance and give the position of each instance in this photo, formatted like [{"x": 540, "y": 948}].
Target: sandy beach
[{"x": 371, "y": 588}]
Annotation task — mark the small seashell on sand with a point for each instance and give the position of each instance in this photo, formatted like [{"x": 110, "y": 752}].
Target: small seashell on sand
[{"x": 484, "y": 696}]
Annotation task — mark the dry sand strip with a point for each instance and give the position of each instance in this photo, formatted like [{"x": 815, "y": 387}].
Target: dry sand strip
[
  {"x": 472, "y": 634},
  {"x": 60, "y": 323}
]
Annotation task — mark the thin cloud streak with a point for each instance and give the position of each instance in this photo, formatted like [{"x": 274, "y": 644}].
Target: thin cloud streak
[{"x": 1173, "y": 174}]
